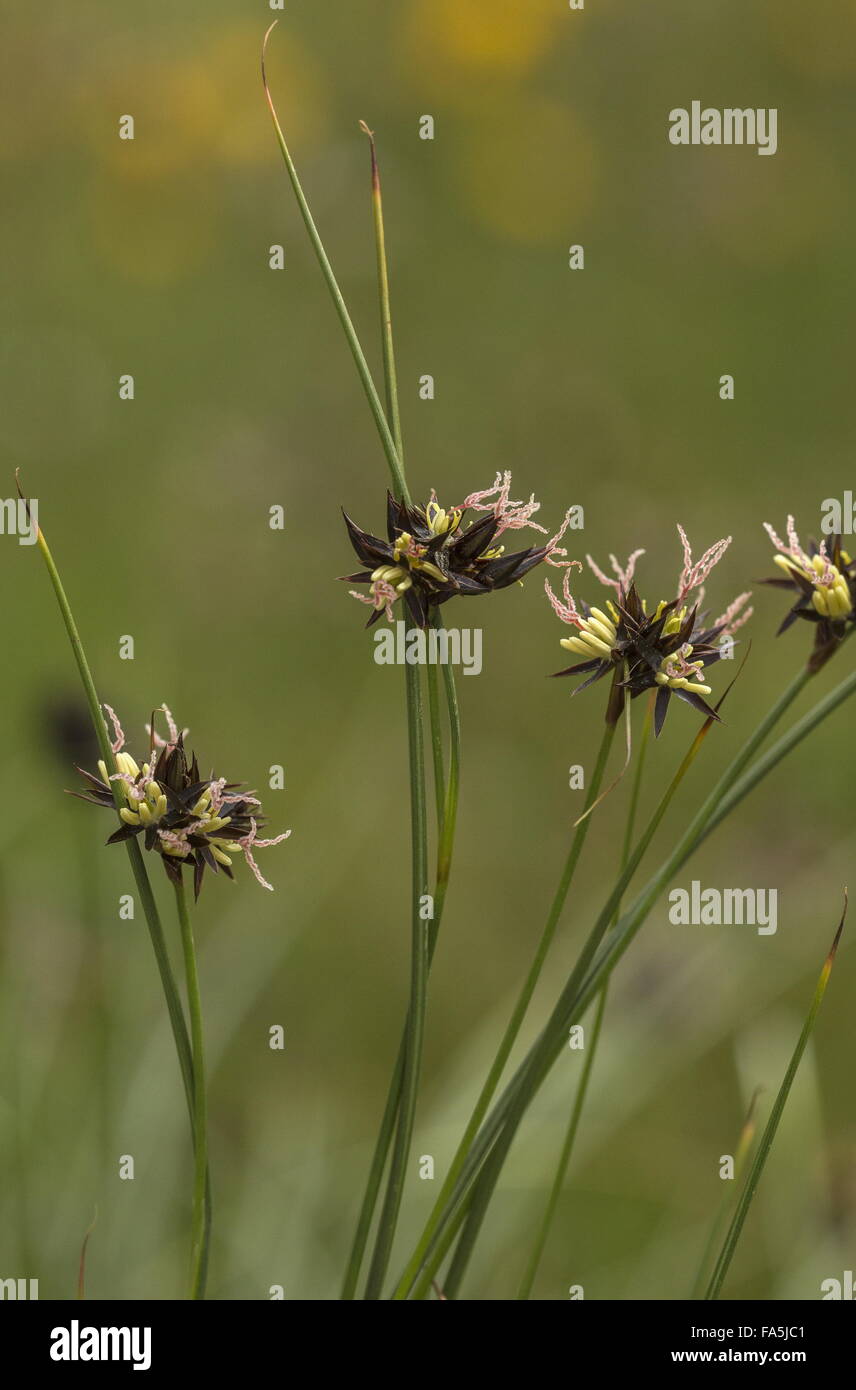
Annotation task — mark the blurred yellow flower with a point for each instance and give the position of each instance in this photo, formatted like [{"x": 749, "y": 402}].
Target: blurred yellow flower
[
  {"x": 156, "y": 202},
  {"x": 527, "y": 169},
  {"x": 499, "y": 36},
  {"x": 201, "y": 105}
]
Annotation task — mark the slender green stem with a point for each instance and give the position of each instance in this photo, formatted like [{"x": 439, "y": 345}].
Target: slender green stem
[
  {"x": 173, "y": 1000},
  {"x": 199, "y": 1229},
  {"x": 594, "y": 1035},
  {"x": 742, "y": 1151},
  {"x": 418, "y": 991},
  {"x": 777, "y": 752},
  {"x": 387, "y": 1126},
  {"x": 144, "y": 887},
  {"x": 450, "y": 810},
  {"x": 548, "y": 1046},
  {"x": 350, "y": 332},
  {"x": 514, "y": 1024},
  {"x": 436, "y": 743},
  {"x": 393, "y": 415},
  {"x": 446, "y": 796},
  {"x": 753, "y": 1177},
  {"x": 543, "y": 1231},
  {"x": 156, "y": 933},
  {"x": 581, "y": 987}
]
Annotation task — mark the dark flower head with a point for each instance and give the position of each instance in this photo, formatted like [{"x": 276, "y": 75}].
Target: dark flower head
[
  {"x": 823, "y": 577},
  {"x": 429, "y": 555},
  {"x": 190, "y": 821},
  {"x": 666, "y": 649}
]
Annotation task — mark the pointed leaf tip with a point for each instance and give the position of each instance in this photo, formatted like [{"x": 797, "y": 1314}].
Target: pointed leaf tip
[{"x": 834, "y": 947}]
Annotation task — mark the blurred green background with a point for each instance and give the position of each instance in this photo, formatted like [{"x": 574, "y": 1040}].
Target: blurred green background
[{"x": 597, "y": 387}]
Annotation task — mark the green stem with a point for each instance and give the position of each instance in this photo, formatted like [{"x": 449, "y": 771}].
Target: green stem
[
  {"x": 446, "y": 796},
  {"x": 565, "y": 1156},
  {"x": 514, "y": 1024},
  {"x": 588, "y": 1063},
  {"x": 753, "y": 1177},
  {"x": 383, "y": 428},
  {"x": 582, "y": 987},
  {"x": 744, "y": 1145},
  {"x": 575, "y": 1000},
  {"x": 387, "y": 1125},
  {"x": 436, "y": 744},
  {"x": 393, "y": 415},
  {"x": 138, "y": 868},
  {"x": 415, "y": 1027},
  {"x": 200, "y": 1227}
]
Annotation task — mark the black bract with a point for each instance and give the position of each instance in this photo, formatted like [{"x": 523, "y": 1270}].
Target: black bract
[
  {"x": 460, "y": 560},
  {"x": 642, "y": 645}
]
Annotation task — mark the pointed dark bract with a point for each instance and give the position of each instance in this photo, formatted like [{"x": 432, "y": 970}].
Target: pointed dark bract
[
  {"x": 183, "y": 818},
  {"x": 826, "y": 596},
  {"x": 430, "y": 556},
  {"x": 646, "y": 656}
]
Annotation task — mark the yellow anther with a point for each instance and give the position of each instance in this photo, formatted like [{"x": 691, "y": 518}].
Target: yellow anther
[
  {"x": 221, "y": 857},
  {"x": 604, "y": 618},
  {"x": 587, "y": 645},
  {"x": 125, "y": 763},
  {"x": 129, "y": 817},
  {"x": 603, "y": 630},
  {"x": 785, "y": 563},
  {"x": 426, "y": 567}
]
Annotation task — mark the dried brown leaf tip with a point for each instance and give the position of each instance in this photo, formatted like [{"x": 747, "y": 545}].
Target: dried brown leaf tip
[
  {"x": 430, "y": 555},
  {"x": 192, "y": 822},
  {"x": 666, "y": 649},
  {"x": 823, "y": 577}
]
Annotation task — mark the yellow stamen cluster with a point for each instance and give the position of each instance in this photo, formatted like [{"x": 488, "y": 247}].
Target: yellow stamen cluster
[
  {"x": 440, "y": 521},
  {"x": 394, "y": 575},
  {"x": 674, "y": 620},
  {"x": 147, "y": 803},
  {"x": 831, "y": 599},
  {"x": 406, "y": 548},
  {"x": 673, "y": 672},
  {"x": 597, "y": 635}
]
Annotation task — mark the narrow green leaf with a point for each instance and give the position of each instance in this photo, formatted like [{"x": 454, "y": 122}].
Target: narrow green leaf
[{"x": 753, "y": 1177}]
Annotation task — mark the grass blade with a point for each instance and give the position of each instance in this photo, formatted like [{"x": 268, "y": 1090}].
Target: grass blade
[
  {"x": 546, "y": 1048},
  {"x": 138, "y": 868},
  {"x": 744, "y": 1147},
  {"x": 383, "y": 428},
  {"x": 513, "y": 1027},
  {"x": 534, "y": 1260},
  {"x": 753, "y": 1177}
]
